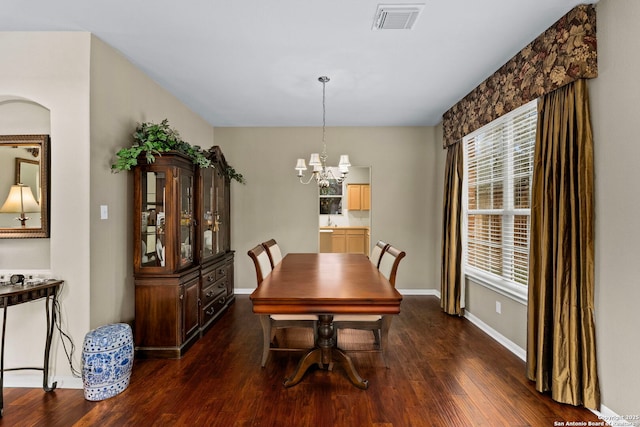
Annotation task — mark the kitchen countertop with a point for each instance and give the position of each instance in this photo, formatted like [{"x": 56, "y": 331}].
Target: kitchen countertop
[{"x": 351, "y": 227}]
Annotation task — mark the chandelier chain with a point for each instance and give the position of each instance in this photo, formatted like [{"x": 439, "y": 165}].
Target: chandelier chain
[
  {"x": 322, "y": 173},
  {"x": 324, "y": 114}
]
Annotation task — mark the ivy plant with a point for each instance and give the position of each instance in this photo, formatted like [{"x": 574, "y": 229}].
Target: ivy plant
[
  {"x": 153, "y": 139},
  {"x": 232, "y": 174}
]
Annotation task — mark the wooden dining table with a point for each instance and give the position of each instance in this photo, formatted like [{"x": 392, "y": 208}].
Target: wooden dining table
[{"x": 326, "y": 284}]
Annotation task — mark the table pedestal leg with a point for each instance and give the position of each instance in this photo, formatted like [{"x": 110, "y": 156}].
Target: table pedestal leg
[
  {"x": 325, "y": 354},
  {"x": 341, "y": 357},
  {"x": 312, "y": 357}
]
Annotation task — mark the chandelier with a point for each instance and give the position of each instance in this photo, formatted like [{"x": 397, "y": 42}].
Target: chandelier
[{"x": 322, "y": 173}]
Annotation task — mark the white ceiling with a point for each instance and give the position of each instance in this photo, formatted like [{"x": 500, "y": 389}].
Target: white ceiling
[{"x": 256, "y": 62}]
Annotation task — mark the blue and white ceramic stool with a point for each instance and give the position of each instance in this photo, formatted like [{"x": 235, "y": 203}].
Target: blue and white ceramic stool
[{"x": 107, "y": 359}]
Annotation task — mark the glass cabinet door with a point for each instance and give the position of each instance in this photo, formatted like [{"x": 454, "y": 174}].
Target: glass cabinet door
[
  {"x": 220, "y": 217},
  {"x": 152, "y": 227},
  {"x": 208, "y": 209},
  {"x": 186, "y": 229}
]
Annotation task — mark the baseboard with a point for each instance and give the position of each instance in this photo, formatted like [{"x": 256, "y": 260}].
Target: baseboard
[
  {"x": 613, "y": 419},
  {"x": 432, "y": 292},
  {"x": 604, "y": 414},
  {"x": 22, "y": 380},
  {"x": 507, "y": 343}
]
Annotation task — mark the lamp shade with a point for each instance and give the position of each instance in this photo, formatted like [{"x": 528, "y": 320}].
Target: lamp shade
[
  {"x": 300, "y": 166},
  {"x": 20, "y": 200},
  {"x": 315, "y": 160},
  {"x": 344, "y": 160}
]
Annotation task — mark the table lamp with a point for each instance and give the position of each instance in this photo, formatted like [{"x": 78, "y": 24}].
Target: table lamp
[{"x": 20, "y": 200}]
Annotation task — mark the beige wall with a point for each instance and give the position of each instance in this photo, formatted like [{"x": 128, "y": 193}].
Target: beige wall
[
  {"x": 121, "y": 97},
  {"x": 511, "y": 322},
  {"x": 615, "y": 101},
  {"x": 273, "y": 203}
]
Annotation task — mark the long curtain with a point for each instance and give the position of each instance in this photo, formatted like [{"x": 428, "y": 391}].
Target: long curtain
[
  {"x": 451, "y": 269},
  {"x": 561, "y": 347}
]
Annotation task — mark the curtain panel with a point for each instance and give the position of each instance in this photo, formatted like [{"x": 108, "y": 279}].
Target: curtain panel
[
  {"x": 561, "y": 345},
  {"x": 451, "y": 286},
  {"x": 562, "y": 54}
]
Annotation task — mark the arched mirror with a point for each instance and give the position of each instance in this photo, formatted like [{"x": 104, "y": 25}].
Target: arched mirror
[{"x": 24, "y": 186}]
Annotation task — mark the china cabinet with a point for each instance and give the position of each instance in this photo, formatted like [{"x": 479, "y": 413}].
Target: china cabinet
[
  {"x": 183, "y": 264},
  {"x": 214, "y": 238}
]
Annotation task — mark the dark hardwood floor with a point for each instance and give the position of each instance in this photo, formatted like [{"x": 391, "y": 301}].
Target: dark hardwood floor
[{"x": 443, "y": 372}]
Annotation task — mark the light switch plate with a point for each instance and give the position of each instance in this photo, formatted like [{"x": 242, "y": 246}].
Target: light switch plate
[{"x": 104, "y": 212}]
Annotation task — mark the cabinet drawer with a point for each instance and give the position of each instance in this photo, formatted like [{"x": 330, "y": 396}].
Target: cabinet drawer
[
  {"x": 212, "y": 292},
  {"x": 208, "y": 277},
  {"x": 222, "y": 271},
  {"x": 210, "y": 311},
  {"x": 214, "y": 273}
]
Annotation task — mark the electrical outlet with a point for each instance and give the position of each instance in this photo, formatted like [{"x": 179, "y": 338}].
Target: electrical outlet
[{"x": 498, "y": 307}]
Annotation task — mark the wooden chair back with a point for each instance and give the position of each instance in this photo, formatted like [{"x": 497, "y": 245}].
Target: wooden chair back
[
  {"x": 261, "y": 261},
  {"x": 389, "y": 261},
  {"x": 273, "y": 251},
  {"x": 376, "y": 253}
]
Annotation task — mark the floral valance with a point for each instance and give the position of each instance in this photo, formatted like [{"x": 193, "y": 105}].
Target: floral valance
[{"x": 562, "y": 54}]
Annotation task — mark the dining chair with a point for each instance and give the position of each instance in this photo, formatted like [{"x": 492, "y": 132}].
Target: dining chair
[
  {"x": 389, "y": 261},
  {"x": 274, "y": 252},
  {"x": 378, "y": 324},
  {"x": 270, "y": 323},
  {"x": 377, "y": 251}
]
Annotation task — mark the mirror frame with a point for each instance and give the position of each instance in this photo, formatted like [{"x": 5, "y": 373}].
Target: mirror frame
[{"x": 43, "y": 230}]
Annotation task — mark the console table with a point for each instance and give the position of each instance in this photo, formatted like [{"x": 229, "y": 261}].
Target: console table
[{"x": 19, "y": 294}]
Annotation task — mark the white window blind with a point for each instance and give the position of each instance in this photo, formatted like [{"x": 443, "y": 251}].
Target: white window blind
[{"x": 498, "y": 174}]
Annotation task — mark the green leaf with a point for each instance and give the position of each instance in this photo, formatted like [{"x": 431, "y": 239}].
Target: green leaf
[{"x": 154, "y": 139}]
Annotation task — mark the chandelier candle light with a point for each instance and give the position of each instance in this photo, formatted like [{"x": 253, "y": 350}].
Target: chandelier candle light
[{"x": 321, "y": 172}]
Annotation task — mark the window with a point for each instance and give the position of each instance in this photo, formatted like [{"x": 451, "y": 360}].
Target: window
[
  {"x": 331, "y": 198},
  {"x": 497, "y": 181}
]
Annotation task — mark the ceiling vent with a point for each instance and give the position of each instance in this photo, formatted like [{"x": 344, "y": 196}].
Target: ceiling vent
[{"x": 396, "y": 16}]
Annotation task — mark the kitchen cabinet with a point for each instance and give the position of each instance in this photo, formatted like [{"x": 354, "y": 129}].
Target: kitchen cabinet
[
  {"x": 326, "y": 241},
  {"x": 359, "y": 197},
  {"x": 339, "y": 241},
  {"x": 353, "y": 240}
]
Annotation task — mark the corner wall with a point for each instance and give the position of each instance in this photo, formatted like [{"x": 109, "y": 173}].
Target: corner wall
[
  {"x": 95, "y": 98},
  {"x": 121, "y": 97},
  {"x": 62, "y": 86}
]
